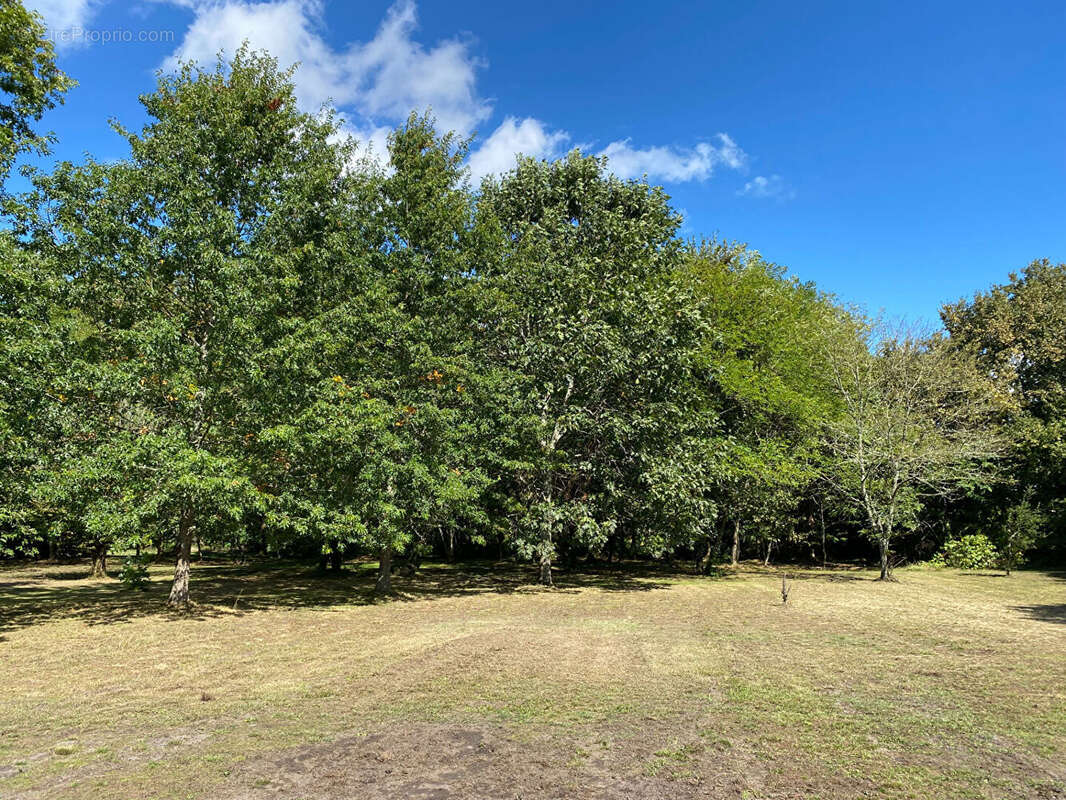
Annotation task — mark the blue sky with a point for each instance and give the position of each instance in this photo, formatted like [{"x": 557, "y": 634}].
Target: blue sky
[{"x": 898, "y": 154}]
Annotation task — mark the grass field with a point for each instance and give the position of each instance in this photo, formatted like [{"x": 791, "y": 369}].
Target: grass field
[{"x": 475, "y": 684}]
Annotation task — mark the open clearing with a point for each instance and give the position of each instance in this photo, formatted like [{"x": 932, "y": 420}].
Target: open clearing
[{"x": 474, "y": 684}]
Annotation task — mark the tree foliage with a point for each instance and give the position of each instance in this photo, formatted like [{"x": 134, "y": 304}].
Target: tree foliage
[{"x": 244, "y": 335}]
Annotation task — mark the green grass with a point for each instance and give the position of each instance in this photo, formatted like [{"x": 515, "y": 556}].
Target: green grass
[{"x": 943, "y": 685}]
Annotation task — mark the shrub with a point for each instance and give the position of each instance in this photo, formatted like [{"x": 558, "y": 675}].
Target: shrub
[
  {"x": 969, "y": 552},
  {"x": 134, "y": 573}
]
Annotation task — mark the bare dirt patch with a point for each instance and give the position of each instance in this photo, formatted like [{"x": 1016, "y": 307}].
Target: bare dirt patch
[{"x": 453, "y": 762}]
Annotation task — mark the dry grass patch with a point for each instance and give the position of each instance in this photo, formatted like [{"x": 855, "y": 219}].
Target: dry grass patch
[{"x": 639, "y": 683}]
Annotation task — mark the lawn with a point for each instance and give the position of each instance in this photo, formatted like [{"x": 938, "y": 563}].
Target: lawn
[{"x": 473, "y": 683}]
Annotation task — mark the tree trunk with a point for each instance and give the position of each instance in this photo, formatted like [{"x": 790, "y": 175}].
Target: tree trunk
[
  {"x": 704, "y": 565},
  {"x": 736, "y": 543},
  {"x": 886, "y": 566},
  {"x": 769, "y": 549},
  {"x": 383, "y": 586},
  {"x": 449, "y": 545},
  {"x": 545, "y": 566},
  {"x": 199, "y": 548},
  {"x": 52, "y": 550},
  {"x": 336, "y": 560},
  {"x": 179, "y": 590},
  {"x": 821, "y": 515},
  {"x": 99, "y": 561}
]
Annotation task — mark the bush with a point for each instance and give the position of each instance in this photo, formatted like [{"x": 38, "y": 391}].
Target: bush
[
  {"x": 969, "y": 552},
  {"x": 134, "y": 573}
]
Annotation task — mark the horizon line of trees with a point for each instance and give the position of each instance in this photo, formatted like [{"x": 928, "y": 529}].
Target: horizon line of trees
[{"x": 245, "y": 334}]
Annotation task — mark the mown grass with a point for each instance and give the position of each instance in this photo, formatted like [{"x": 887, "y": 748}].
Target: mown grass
[{"x": 942, "y": 685}]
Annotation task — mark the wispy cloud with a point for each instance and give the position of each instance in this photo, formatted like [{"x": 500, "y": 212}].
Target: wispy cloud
[
  {"x": 773, "y": 186},
  {"x": 64, "y": 18},
  {"x": 672, "y": 164}
]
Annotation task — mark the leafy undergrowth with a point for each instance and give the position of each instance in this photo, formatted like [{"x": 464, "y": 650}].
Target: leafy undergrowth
[{"x": 473, "y": 683}]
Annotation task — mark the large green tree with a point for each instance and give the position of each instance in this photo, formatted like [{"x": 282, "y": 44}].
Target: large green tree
[
  {"x": 582, "y": 324},
  {"x": 1017, "y": 333},
  {"x": 185, "y": 262},
  {"x": 760, "y": 385},
  {"x": 385, "y": 441},
  {"x": 31, "y": 320}
]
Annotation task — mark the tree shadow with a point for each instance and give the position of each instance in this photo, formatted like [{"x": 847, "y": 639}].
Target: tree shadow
[
  {"x": 834, "y": 573},
  {"x": 32, "y": 596},
  {"x": 1046, "y": 613}
]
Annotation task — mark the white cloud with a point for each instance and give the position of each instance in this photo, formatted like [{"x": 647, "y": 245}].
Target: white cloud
[
  {"x": 672, "y": 164},
  {"x": 383, "y": 79},
  {"x": 377, "y": 83},
  {"x": 528, "y": 137},
  {"x": 772, "y": 186},
  {"x": 394, "y": 74},
  {"x": 64, "y": 19}
]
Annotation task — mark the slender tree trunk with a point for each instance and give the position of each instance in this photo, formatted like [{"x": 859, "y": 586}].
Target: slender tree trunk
[
  {"x": 199, "y": 548},
  {"x": 769, "y": 549},
  {"x": 99, "y": 561},
  {"x": 383, "y": 586},
  {"x": 886, "y": 566},
  {"x": 821, "y": 515},
  {"x": 179, "y": 590},
  {"x": 736, "y": 543},
  {"x": 52, "y": 548},
  {"x": 546, "y": 557},
  {"x": 449, "y": 545}
]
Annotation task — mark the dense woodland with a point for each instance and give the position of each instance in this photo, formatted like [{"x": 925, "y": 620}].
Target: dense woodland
[{"x": 250, "y": 337}]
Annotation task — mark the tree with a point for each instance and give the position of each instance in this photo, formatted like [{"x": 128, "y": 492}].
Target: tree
[
  {"x": 31, "y": 320},
  {"x": 30, "y": 83},
  {"x": 917, "y": 422},
  {"x": 383, "y": 437},
  {"x": 759, "y": 386},
  {"x": 1016, "y": 332},
  {"x": 1020, "y": 531},
  {"x": 580, "y": 324},
  {"x": 182, "y": 262}
]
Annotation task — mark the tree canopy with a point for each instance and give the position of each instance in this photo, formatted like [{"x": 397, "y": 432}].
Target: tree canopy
[{"x": 245, "y": 335}]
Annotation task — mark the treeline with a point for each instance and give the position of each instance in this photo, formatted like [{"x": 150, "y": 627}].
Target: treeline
[{"x": 246, "y": 335}]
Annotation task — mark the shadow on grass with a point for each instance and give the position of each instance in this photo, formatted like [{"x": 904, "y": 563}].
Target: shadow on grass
[
  {"x": 834, "y": 573},
  {"x": 1047, "y": 613},
  {"x": 30, "y": 597}
]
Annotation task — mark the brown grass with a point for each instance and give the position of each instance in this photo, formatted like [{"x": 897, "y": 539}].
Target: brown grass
[{"x": 638, "y": 683}]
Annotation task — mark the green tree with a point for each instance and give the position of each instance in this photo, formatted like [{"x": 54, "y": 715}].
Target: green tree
[
  {"x": 31, "y": 321},
  {"x": 1016, "y": 332},
  {"x": 582, "y": 324},
  {"x": 30, "y": 83},
  {"x": 917, "y": 423},
  {"x": 384, "y": 445},
  {"x": 183, "y": 262},
  {"x": 760, "y": 387},
  {"x": 1021, "y": 529}
]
